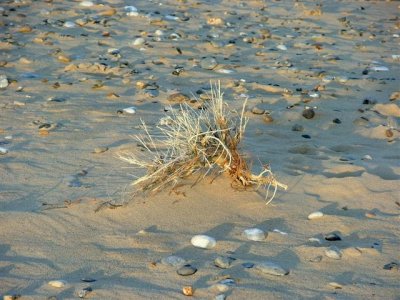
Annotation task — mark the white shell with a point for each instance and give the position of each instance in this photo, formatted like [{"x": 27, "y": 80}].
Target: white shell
[
  {"x": 315, "y": 215},
  {"x": 3, "y": 151},
  {"x": 255, "y": 234},
  {"x": 203, "y": 241},
  {"x": 57, "y": 283},
  {"x": 282, "y": 47},
  {"x": 86, "y": 3},
  {"x": 130, "y": 110}
]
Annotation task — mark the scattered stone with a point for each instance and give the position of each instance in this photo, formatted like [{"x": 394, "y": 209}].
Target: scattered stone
[
  {"x": 86, "y": 3},
  {"x": 69, "y": 24},
  {"x": 297, "y": 127},
  {"x": 315, "y": 241},
  {"x": 138, "y": 42},
  {"x": 208, "y": 63},
  {"x": 219, "y": 288},
  {"x": 267, "y": 118},
  {"x": 129, "y": 110},
  {"x": 215, "y": 21},
  {"x": 281, "y": 47},
  {"x": 332, "y": 237},
  {"x": 316, "y": 259},
  {"x": 57, "y": 283},
  {"x": 223, "y": 262},
  {"x": 84, "y": 292},
  {"x": 98, "y": 150},
  {"x": 315, "y": 215},
  {"x": 391, "y": 266},
  {"x": 188, "y": 290},
  {"x": 308, "y": 113},
  {"x": 255, "y": 234},
  {"x": 88, "y": 279},
  {"x": 186, "y": 270},
  {"x": 203, "y": 241},
  {"x": 220, "y": 297},
  {"x": 333, "y": 252},
  {"x": 178, "y": 98},
  {"x": 3, "y": 81},
  {"x": 258, "y": 111},
  {"x": 394, "y": 96},
  {"x": 370, "y": 214},
  {"x": 3, "y": 151},
  {"x": 306, "y": 136},
  {"x": 248, "y": 265},
  {"x": 173, "y": 260},
  {"x": 335, "y": 285},
  {"x": 271, "y": 268},
  {"x": 337, "y": 121},
  {"x": 11, "y": 297}
]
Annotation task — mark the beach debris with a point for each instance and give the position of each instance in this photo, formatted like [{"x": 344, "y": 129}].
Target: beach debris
[
  {"x": 315, "y": 215},
  {"x": 255, "y": 234},
  {"x": 188, "y": 290},
  {"x": 203, "y": 241},
  {"x": 128, "y": 110},
  {"x": 57, "y": 283},
  {"x": 271, "y": 268},
  {"x": 186, "y": 270}
]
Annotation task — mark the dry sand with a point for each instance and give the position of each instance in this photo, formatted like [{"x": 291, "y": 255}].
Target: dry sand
[{"x": 341, "y": 59}]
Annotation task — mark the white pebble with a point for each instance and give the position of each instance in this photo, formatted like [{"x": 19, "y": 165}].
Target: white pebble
[
  {"x": 396, "y": 56},
  {"x": 367, "y": 157},
  {"x": 69, "y": 24},
  {"x": 57, "y": 283},
  {"x": 280, "y": 232},
  {"x": 86, "y": 3},
  {"x": 380, "y": 68},
  {"x": 171, "y": 18},
  {"x": 225, "y": 71},
  {"x": 314, "y": 95},
  {"x": 282, "y": 47},
  {"x": 315, "y": 215},
  {"x": 3, "y": 151},
  {"x": 255, "y": 234},
  {"x": 130, "y": 110},
  {"x": 130, "y": 8},
  {"x": 203, "y": 241},
  {"x": 159, "y": 32},
  {"x": 138, "y": 42}
]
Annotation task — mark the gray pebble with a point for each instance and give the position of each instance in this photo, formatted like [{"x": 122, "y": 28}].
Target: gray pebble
[
  {"x": 173, "y": 260},
  {"x": 186, "y": 270},
  {"x": 220, "y": 297},
  {"x": 297, "y": 127},
  {"x": 98, "y": 150},
  {"x": 308, "y": 113},
  {"x": 271, "y": 268},
  {"x": 333, "y": 252},
  {"x": 223, "y": 262},
  {"x": 208, "y": 63},
  {"x": 3, "y": 81},
  {"x": 248, "y": 265},
  {"x": 258, "y": 111},
  {"x": 178, "y": 98}
]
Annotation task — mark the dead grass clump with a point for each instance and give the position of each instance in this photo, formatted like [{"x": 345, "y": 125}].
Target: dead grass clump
[{"x": 198, "y": 140}]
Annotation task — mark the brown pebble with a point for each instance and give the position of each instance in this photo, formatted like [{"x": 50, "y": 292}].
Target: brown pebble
[
  {"x": 268, "y": 119},
  {"x": 394, "y": 96},
  {"x": 257, "y": 111},
  {"x": 25, "y": 29},
  {"x": 63, "y": 58},
  {"x": 370, "y": 215},
  {"x": 141, "y": 85},
  {"x": 108, "y": 13},
  {"x": 187, "y": 290},
  {"x": 215, "y": 21},
  {"x": 308, "y": 113},
  {"x": 389, "y": 133},
  {"x": 43, "y": 132},
  {"x": 178, "y": 98}
]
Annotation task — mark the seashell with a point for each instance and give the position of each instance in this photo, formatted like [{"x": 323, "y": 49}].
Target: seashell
[
  {"x": 315, "y": 215},
  {"x": 57, "y": 283},
  {"x": 129, "y": 110},
  {"x": 255, "y": 234},
  {"x": 203, "y": 241}
]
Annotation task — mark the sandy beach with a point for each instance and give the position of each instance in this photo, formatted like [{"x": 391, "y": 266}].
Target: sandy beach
[{"x": 321, "y": 79}]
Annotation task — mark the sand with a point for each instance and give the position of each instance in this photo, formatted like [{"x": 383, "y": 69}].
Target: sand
[{"x": 66, "y": 212}]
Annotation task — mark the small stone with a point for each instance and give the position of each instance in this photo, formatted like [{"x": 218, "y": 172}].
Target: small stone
[
  {"x": 306, "y": 136},
  {"x": 3, "y": 81},
  {"x": 3, "y": 151},
  {"x": 178, "y": 98},
  {"x": 268, "y": 119},
  {"x": 98, "y": 150},
  {"x": 297, "y": 127},
  {"x": 370, "y": 214},
  {"x": 84, "y": 292},
  {"x": 88, "y": 279},
  {"x": 248, "y": 265},
  {"x": 86, "y": 3},
  {"x": 57, "y": 283},
  {"x": 141, "y": 85},
  {"x": 203, "y": 241},
  {"x": 63, "y": 58},
  {"x": 138, "y": 42},
  {"x": 333, "y": 252},
  {"x": 220, "y": 297},
  {"x": 316, "y": 259},
  {"x": 308, "y": 113},
  {"x": 315, "y": 215},
  {"x": 335, "y": 285},
  {"x": 281, "y": 47},
  {"x": 219, "y": 288},
  {"x": 258, "y": 111},
  {"x": 391, "y": 266},
  {"x": 255, "y": 234},
  {"x": 129, "y": 110},
  {"x": 11, "y": 297},
  {"x": 186, "y": 270},
  {"x": 394, "y": 96},
  {"x": 25, "y": 29},
  {"x": 223, "y": 262},
  {"x": 69, "y": 24},
  {"x": 315, "y": 241},
  {"x": 271, "y": 268},
  {"x": 188, "y": 290},
  {"x": 337, "y": 121},
  {"x": 173, "y": 260},
  {"x": 389, "y": 133},
  {"x": 332, "y": 237},
  {"x": 208, "y": 63},
  {"x": 215, "y": 21}
]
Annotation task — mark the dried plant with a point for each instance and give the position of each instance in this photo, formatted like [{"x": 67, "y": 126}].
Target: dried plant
[{"x": 194, "y": 140}]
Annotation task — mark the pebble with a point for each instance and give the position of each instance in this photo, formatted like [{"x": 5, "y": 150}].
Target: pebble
[
  {"x": 98, "y": 150},
  {"x": 316, "y": 259},
  {"x": 188, "y": 290},
  {"x": 86, "y": 3},
  {"x": 57, "y": 283},
  {"x": 178, "y": 98},
  {"x": 379, "y": 68},
  {"x": 173, "y": 260},
  {"x": 186, "y": 270},
  {"x": 315, "y": 215},
  {"x": 281, "y": 47},
  {"x": 84, "y": 292},
  {"x": 332, "y": 237},
  {"x": 314, "y": 240},
  {"x": 391, "y": 266},
  {"x": 271, "y": 268},
  {"x": 88, "y": 279},
  {"x": 258, "y": 111},
  {"x": 223, "y": 262},
  {"x": 308, "y": 113},
  {"x": 220, "y": 287},
  {"x": 208, "y": 63},
  {"x": 3, "y": 151},
  {"x": 268, "y": 119},
  {"x": 297, "y": 127},
  {"x": 394, "y": 96},
  {"x": 3, "y": 81},
  {"x": 69, "y": 24},
  {"x": 203, "y": 241},
  {"x": 220, "y": 297},
  {"x": 248, "y": 265},
  {"x": 255, "y": 234},
  {"x": 138, "y": 42},
  {"x": 335, "y": 285},
  {"x": 333, "y": 252},
  {"x": 129, "y": 110}
]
